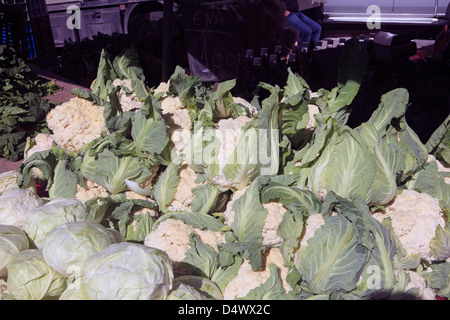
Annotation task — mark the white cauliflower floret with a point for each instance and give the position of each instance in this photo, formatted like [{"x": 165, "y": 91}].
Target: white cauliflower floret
[
  {"x": 275, "y": 212},
  {"x": 91, "y": 191},
  {"x": 162, "y": 87},
  {"x": 248, "y": 279},
  {"x": 42, "y": 142},
  {"x": 274, "y": 217},
  {"x": 415, "y": 217},
  {"x": 314, "y": 222},
  {"x": 417, "y": 281},
  {"x": 76, "y": 123},
  {"x": 129, "y": 102},
  {"x": 228, "y": 132},
  {"x": 183, "y": 195},
  {"x": 172, "y": 237},
  {"x": 178, "y": 123},
  {"x": 312, "y": 110}
]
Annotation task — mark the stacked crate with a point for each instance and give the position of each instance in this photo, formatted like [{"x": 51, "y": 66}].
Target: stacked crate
[
  {"x": 38, "y": 34},
  {"x": 12, "y": 29}
]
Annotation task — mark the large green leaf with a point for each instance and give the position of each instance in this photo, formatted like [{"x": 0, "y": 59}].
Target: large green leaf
[
  {"x": 105, "y": 76},
  {"x": 149, "y": 133},
  {"x": 440, "y": 244},
  {"x": 249, "y": 215},
  {"x": 207, "y": 198},
  {"x": 379, "y": 271},
  {"x": 165, "y": 188},
  {"x": 65, "y": 181},
  {"x": 126, "y": 64},
  {"x": 112, "y": 171},
  {"x": 183, "y": 86},
  {"x": 393, "y": 105},
  {"x": 429, "y": 180},
  {"x": 201, "y": 258},
  {"x": 290, "y": 230},
  {"x": 346, "y": 166},
  {"x": 291, "y": 196},
  {"x": 351, "y": 71},
  {"x": 333, "y": 258},
  {"x": 195, "y": 219},
  {"x": 384, "y": 185},
  {"x": 222, "y": 104},
  {"x": 223, "y": 275},
  {"x": 439, "y": 142},
  {"x": 258, "y": 149}
]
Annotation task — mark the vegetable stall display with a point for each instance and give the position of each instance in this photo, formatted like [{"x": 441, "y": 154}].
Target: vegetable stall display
[{"x": 185, "y": 192}]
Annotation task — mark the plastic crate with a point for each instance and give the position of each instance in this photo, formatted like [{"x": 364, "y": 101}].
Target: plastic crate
[
  {"x": 12, "y": 29},
  {"x": 39, "y": 43}
]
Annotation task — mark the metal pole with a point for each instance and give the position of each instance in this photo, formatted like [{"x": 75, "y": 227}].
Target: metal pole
[{"x": 167, "y": 40}]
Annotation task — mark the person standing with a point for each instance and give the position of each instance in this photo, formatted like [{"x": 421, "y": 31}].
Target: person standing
[{"x": 308, "y": 30}]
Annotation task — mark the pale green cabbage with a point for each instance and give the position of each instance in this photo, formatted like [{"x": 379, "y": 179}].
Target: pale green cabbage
[
  {"x": 8, "y": 180},
  {"x": 56, "y": 212},
  {"x": 127, "y": 271},
  {"x": 12, "y": 241},
  {"x": 31, "y": 278},
  {"x": 15, "y": 204},
  {"x": 67, "y": 246}
]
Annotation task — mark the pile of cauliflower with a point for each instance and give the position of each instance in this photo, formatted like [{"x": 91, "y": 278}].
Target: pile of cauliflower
[{"x": 414, "y": 217}]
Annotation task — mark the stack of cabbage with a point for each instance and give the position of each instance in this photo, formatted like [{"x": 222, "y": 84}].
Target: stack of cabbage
[{"x": 190, "y": 193}]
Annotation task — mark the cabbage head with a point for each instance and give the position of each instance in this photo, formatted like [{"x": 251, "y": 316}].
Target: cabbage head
[
  {"x": 56, "y": 212},
  {"x": 15, "y": 204},
  {"x": 31, "y": 278},
  {"x": 67, "y": 246},
  {"x": 12, "y": 241},
  {"x": 8, "y": 180},
  {"x": 127, "y": 271}
]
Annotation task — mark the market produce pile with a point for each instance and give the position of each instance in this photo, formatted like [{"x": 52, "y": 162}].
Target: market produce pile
[{"x": 185, "y": 191}]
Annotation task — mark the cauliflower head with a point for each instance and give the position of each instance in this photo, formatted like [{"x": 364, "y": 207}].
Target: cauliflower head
[
  {"x": 178, "y": 123},
  {"x": 313, "y": 222},
  {"x": 92, "y": 190},
  {"x": 172, "y": 237},
  {"x": 417, "y": 281},
  {"x": 183, "y": 195},
  {"x": 415, "y": 217},
  {"x": 248, "y": 279},
  {"x": 312, "y": 110},
  {"x": 42, "y": 142},
  {"x": 76, "y": 123}
]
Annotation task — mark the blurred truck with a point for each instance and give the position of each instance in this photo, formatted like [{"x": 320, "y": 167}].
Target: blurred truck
[
  {"x": 411, "y": 12},
  {"x": 77, "y": 20}
]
